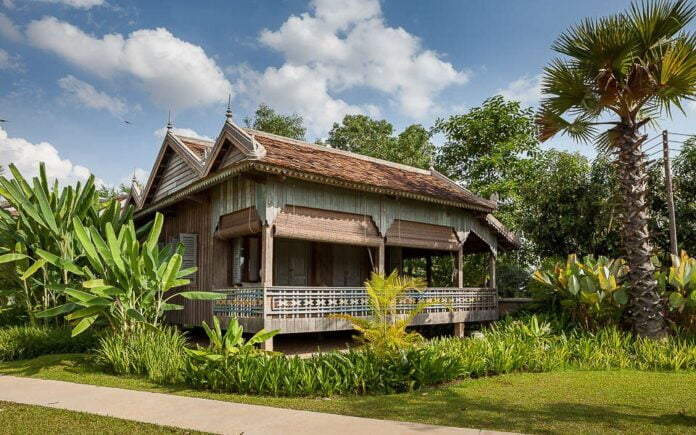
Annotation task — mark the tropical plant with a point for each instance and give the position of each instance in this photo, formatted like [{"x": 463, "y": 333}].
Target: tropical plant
[
  {"x": 385, "y": 328},
  {"x": 623, "y": 71},
  {"x": 158, "y": 354},
  {"x": 592, "y": 291},
  {"x": 41, "y": 254},
  {"x": 231, "y": 343},
  {"x": 25, "y": 342},
  {"x": 128, "y": 282},
  {"x": 678, "y": 284}
]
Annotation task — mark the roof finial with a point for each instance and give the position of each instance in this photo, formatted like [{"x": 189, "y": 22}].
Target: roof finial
[
  {"x": 169, "y": 121},
  {"x": 228, "y": 114}
]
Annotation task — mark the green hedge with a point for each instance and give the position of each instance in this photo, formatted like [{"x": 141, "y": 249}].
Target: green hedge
[{"x": 24, "y": 342}]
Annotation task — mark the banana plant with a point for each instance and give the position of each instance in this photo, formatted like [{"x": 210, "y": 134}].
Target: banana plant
[
  {"x": 43, "y": 224},
  {"x": 127, "y": 282},
  {"x": 593, "y": 290},
  {"x": 231, "y": 343}
]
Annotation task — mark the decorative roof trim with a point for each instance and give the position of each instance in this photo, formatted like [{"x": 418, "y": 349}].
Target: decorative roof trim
[
  {"x": 170, "y": 141},
  {"x": 508, "y": 235},
  {"x": 238, "y": 137},
  {"x": 271, "y": 168},
  {"x": 195, "y": 187}
]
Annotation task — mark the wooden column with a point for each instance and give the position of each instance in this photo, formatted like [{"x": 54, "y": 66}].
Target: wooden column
[
  {"x": 381, "y": 258},
  {"x": 460, "y": 267},
  {"x": 266, "y": 275},
  {"x": 491, "y": 270},
  {"x": 429, "y": 270}
]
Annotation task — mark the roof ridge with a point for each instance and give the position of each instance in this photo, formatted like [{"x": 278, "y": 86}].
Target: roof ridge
[
  {"x": 337, "y": 151},
  {"x": 195, "y": 139}
]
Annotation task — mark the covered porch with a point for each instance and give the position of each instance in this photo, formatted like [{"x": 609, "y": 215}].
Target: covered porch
[{"x": 310, "y": 264}]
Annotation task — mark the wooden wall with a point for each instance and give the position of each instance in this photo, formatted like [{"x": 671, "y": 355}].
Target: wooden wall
[
  {"x": 188, "y": 216},
  {"x": 177, "y": 174}
]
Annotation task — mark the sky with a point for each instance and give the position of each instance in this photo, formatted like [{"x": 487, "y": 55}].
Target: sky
[{"x": 86, "y": 85}]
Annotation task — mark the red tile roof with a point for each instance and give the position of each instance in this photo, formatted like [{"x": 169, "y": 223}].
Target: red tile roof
[
  {"x": 352, "y": 168},
  {"x": 355, "y": 168}
]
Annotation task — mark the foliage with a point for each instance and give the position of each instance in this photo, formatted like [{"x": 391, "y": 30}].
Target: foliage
[
  {"x": 575, "y": 199},
  {"x": 158, "y": 355},
  {"x": 619, "y": 73},
  {"x": 355, "y": 372},
  {"x": 678, "y": 285},
  {"x": 383, "y": 329},
  {"x": 24, "y": 342},
  {"x": 375, "y": 138},
  {"x": 592, "y": 291},
  {"x": 684, "y": 188},
  {"x": 266, "y": 119},
  {"x": 489, "y": 148},
  {"x": 230, "y": 344},
  {"x": 527, "y": 344},
  {"x": 40, "y": 245},
  {"x": 130, "y": 281}
]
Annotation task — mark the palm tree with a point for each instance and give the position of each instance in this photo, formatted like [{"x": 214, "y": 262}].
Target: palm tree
[{"x": 618, "y": 74}]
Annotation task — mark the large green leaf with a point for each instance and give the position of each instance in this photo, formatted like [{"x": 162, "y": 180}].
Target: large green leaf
[
  {"x": 33, "y": 269},
  {"x": 83, "y": 325},
  {"x": 7, "y": 258},
  {"x": 56, "y": 311},
  {"x": 203, "y": 296}
]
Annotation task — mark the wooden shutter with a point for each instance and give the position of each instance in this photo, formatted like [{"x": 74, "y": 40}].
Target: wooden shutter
[
  {"x": 424, "y": 236},
  {"x": 190, "y": 242},
  {"x": 305, "y": 223},
  {"x": 239, "y": 223}
]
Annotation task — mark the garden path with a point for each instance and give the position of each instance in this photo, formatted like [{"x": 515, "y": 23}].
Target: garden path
[{"x": 200, "y": 414}]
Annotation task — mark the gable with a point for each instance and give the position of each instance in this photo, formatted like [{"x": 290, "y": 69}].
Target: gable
[
  {"x": 176, "y": 174},
  {"x": 232, "y": 156}
]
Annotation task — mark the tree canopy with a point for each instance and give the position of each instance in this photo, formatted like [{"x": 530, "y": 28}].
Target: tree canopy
[
  {"x": 375, "y": 138},
  {"x": 266, "y": 119}
]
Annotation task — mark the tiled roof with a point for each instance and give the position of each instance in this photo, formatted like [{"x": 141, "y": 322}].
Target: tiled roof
[
  {"x": 352, "y": 168},
  {"x": 355, "y": 168},
  {"x": 199, "y": 147}
]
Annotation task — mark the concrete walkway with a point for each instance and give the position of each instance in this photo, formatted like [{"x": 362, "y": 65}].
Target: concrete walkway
[{"x": 200, "y": 414}]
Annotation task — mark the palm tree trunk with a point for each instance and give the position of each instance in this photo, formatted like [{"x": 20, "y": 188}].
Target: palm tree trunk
[{"x": 645, "y": 306}]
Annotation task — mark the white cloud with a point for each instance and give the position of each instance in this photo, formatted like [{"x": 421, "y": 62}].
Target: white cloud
[
  {"x": 8, "y": 29},
  {"x": 176, "y": 73},
  {"x": 79, "y": 4},
  {"x": 160, "y": 132},
  {"x": 9, "y": 62},
  {"x": 140, "y": 175},
  {"x": 526, "y": 90},
  {"x": 26, "y": 156},
  {"x": 347, "y": 45},
  {"x": 84, "y": 93}
]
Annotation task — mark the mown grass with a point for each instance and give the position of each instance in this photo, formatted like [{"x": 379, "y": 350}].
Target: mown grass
[
  {"x": 21, "y": 419},
  {"x": 557, "y": 402}
]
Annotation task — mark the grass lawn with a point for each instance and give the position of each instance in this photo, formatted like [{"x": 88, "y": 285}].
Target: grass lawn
[
  {"x": 559, "y": 402},
  {"x": 21, "y": 419}
]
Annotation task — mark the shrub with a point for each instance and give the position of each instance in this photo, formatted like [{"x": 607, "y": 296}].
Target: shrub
[
  {"x": 157, "y": 354},
  {"x": 592, "y": 291},
  {"x": 362, "y": 371},
  {"x": 383, "y": 330},
  {"x": 23, "y": 342},
  {"x": 678, "y": 285}
]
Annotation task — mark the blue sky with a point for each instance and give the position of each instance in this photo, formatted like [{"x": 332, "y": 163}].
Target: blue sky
[{"x": 71, "y": 71}]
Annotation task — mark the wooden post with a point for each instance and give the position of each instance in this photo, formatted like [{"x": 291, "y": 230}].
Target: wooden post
[
  {"x": 491, "y": 270},
  {"x": 266, "y": 276},
  {"x": 460, "y": 267},
  {"x": 459, "y": 330},
  {"x": 670, "y": 195},
  {"x": 429, "y": 270},
  {"x": 381, "y": 258}
]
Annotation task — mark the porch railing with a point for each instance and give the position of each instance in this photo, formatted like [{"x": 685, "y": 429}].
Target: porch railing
[{"x": 316, "y": 302}]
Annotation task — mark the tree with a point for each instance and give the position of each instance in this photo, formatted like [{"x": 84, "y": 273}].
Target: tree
[
  {"x": 375, "y": 138},
  {"x": 266, "y": 119},
  {"x": 106, "y": 192},
  {"x": 489, "y": 149},
  {"x": 623, "y": 71},
  {"x": 574, "y": 198}
]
